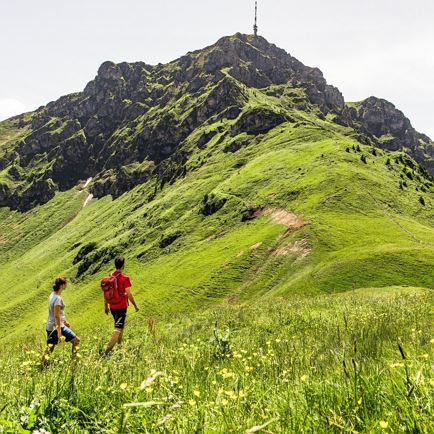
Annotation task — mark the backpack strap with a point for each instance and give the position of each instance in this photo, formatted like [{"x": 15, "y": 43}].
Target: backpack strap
[{"x": 124, "y": 294}]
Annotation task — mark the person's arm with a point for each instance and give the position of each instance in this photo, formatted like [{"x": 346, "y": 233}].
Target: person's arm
[
  {"x": 58, "y": 322},
  {"x": 131, "y": 298},
  {"x": 106, "y": 307}
]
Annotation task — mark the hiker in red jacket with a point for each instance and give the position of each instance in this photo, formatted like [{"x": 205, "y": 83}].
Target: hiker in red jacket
[{"x": 119, "y": 309}]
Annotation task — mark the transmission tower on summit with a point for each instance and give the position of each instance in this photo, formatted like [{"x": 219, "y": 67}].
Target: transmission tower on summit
[{"x": 255, "y": 26}]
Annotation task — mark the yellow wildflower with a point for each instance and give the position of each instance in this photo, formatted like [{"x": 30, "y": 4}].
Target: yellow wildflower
[{"x": 383, "y": 424}]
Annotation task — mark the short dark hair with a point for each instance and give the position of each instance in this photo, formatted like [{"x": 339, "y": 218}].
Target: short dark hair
[
  {"x": 58, "y": 283},
  {"x": 119, "y": 262}
]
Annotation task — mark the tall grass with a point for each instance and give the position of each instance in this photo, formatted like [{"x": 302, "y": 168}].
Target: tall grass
[{"x": 357, "y": 362}]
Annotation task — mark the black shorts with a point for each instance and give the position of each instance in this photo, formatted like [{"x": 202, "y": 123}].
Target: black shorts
[{"x": 119, "y": 315}]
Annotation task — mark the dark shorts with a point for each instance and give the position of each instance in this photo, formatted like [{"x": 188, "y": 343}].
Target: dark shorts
[
  {"x": 119, "y": 315},
  {"x": 53, "y": 339}
]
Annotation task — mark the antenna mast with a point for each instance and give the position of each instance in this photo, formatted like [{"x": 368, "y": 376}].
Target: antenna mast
[{"x": 255, "y": 26}]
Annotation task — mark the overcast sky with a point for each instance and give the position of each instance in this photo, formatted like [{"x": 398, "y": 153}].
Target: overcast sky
[{"x": 371, "y": 47}]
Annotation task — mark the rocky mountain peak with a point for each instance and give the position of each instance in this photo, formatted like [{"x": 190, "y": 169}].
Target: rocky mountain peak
[
  {"x": 134, "y": 121},
  {"x": 388, "y": 128},
  {"x": 257, "y": 63},
  {"x": 109, "y": 71}
]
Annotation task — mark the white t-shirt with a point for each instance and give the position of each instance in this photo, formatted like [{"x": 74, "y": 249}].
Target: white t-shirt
[{"x": 55, "y": 300}]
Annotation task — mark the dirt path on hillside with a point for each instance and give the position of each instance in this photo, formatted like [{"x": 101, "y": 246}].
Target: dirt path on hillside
[
  {"x": 293, "y": 222},
  {"x": 87, "y": 200},
  {"x": 85, "y": 185},
  {"x": 89, "y": 197},
  {"x": 407, "y": 231}
]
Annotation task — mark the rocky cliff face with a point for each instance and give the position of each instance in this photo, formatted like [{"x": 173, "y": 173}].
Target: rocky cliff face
[
  {"x": 387, "y": 127},
  {"x": 133, "y": 121}
]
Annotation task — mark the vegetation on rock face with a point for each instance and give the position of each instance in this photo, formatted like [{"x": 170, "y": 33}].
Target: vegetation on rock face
[
  {"x": 388, "y": 128},
  {"x": 147, "y": 115}
]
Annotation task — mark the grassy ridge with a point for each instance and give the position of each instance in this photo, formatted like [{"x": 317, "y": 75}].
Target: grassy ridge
[
  {"x": 364, "y": 230},
  {"x": 325, "y": 363}
]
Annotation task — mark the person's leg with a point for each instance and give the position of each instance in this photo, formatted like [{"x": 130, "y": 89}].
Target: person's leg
[
  {"x": 120, "y": 324},
  {"x": 119, "y": 316},
  {"x": 75, "y": 344},
  {"x": 52, "y": 341},
  {"x": 113, "y": 340},
  {"x": 120, "y": 337},
  {"x": 70, "y": 336}
]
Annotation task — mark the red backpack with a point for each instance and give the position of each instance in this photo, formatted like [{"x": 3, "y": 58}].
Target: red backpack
[{"x": 110, "y": 288}]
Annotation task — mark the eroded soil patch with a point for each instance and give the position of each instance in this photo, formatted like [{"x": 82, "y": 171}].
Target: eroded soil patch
[{"x": 284, "y": 217}]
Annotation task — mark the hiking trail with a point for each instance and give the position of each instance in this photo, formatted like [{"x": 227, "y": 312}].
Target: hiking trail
[{"x": 89, "y": 196}]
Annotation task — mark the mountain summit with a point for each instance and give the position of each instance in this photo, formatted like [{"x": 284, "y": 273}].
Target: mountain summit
[{"x": 135, "y": 121}]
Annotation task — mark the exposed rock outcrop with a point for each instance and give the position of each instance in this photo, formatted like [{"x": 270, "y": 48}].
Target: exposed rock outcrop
[
  {"x": 39, "y": 191},
  {"x": 257, "y": 121},
  {"x": 388, "y": 128}
]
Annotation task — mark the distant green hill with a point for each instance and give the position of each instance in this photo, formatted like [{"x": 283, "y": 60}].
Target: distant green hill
[{"x": 237, "y": 173}]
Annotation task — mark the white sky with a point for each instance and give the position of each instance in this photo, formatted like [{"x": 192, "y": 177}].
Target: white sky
[{"x": 371, "y": 47}]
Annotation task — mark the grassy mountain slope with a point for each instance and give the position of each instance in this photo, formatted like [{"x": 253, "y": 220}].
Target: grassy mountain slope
[{"x": 302, "y": 213}]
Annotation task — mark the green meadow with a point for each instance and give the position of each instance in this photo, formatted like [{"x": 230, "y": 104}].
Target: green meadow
[{"x": 359, "y": 361}]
